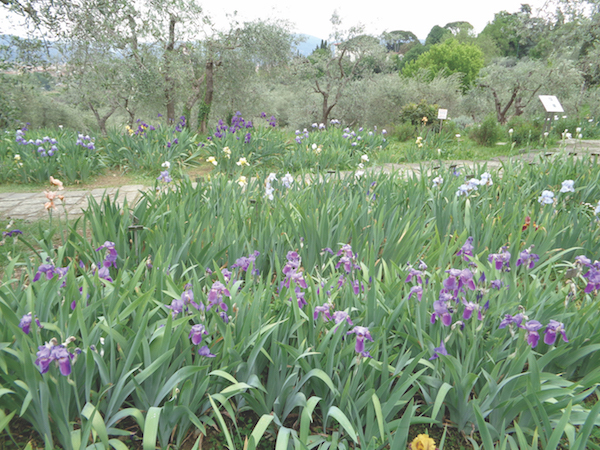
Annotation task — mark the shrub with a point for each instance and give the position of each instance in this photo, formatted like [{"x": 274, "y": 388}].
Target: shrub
[
  {"x": 525, "y": 131},
  {"x": 414, "y": 113},
  {"x": 488, "y": 132}
]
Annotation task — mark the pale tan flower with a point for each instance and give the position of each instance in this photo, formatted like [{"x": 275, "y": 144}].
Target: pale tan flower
[{"x": 56, "y": 182}]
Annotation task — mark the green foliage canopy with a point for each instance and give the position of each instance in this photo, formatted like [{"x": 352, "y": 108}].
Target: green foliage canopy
[{"x": 448, "y": 58}]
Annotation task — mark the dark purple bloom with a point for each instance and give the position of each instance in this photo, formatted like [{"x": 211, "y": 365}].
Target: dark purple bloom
[
  {"x": 63, "y": 356},
  {"x": 437, "y": 351},
  {"x": 527, "y": 258},
  {"x": 205, "y": 351},
  {"x": 223, "y": 315},
  {"x": 196, "y": 333},
  {"x": 327, "y": 250},
  {"x": 593, "y": 276},
  {"x": 357, "y": 287},
  {"x": 552, "y": 329},
  {"x": 501, "y": 260},
  {"x": 532, "y": 328},
  {"x": 247, "y": 138},
  {"x": 469, "y": 308},
  {"x": 263, "y": 115},
  {"x": 496, "y": 284},
  {"x": 466, "y": 250},
  {"x": 362, "y": 333},
  {"x": 11, "y": 233},
  {"x": 25, "y": 322},
  {"x": 510, "y": 320},
  {"x": 44, "y": 269},
  {"x": 111, "y": 256},
  {"x": 51, "y": 352},
  {"x": 441, "y": 310}
]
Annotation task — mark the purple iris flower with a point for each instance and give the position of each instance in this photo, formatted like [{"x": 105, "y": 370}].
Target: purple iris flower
[
  {"x": 593, "y": 276},
  {"x": 196, "y": 333},
  {"x": 496, "y": 284},
  {"x": 111, "y": 256},
  {"x": 414, "y": 273},
  {"x": 11, "y": 233},
  {"x": 215, "y": 296},
  {"x": 244, "y": 263},
  {"x": 327, "y": 250},
  {"x": 205, "y": 351},
  {"x": 44, "y": 269},
  {"x": 226, "y": 274},
  {"x": 469, "y": 308},
  {"x": 527, "y": 258},
  {"x": 25, "y": 322},
  {"x": 357, "y": 287},
  {"x": 324, "y": 309},
  {"x": 510, "y": 320},
  {"x": 340, "y": 316},
  {"x": 440, "y": 309},
  {"x": 417, "y": 290},
  {"x": 532, "y": 328},
  {"x": 164, "y": 177},
  {"x": 466, "y": 250},
  {"x": 582, "y": 260},
  {"x": 362, "y": 333},
  {"x": 104, "y": 274},
  {"x": 176, "y": 307},
  {"x": 51, "y": 352},
  {"x": 501, "y": 260},
  {"x": 437, "y": 351},
  {"x": 552, "y": 329}
]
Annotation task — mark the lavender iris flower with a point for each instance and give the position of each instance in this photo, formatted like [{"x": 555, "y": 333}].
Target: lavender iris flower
[
  {"x": 205, "y": 351},
  {"x": 467, "y": 249},
  {"x": 552, "y": 329},
  {"x": 215, "y": 296},
  {"x": 527, "y": 258},
  {"x": 111, "y": 256},
  {"x": 437, "y": 351},
  {"x": 441, "y": 310},
  {"x": 510, "y": 320},
  {"x": 416, "y": 290},
  {"x": 196, "y": 333},
  {"x": 532, "y": 328},
  {"x": 51, "y": 352},
  {"x": 324, "y": 309},
  {"x": 362, "y": 333},
  {"x": 25, "y": 322},
  {"x": 340, "y": 316},
  {"x": 593, "y": 277},
  {"x": 501, "y": 260}
]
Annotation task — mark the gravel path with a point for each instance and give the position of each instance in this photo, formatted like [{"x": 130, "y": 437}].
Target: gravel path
[{"x": 30, "y": 206}]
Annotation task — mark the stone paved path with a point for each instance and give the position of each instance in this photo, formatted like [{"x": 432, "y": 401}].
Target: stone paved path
[{"x": 30, "y": 206}]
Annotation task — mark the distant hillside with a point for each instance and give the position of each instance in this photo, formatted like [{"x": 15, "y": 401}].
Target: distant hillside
[{"x": 310, "y": 43}]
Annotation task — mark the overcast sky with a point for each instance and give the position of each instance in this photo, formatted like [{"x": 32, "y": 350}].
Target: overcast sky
[{"x": 312, "y": 16}]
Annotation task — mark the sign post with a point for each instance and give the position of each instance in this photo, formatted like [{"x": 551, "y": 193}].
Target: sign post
[
  {"x": 442, "y": 115},
  {"x": 552, "y": 106}
]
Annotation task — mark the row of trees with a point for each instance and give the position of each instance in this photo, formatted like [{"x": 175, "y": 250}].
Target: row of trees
[{"x": 131, "y": 60}]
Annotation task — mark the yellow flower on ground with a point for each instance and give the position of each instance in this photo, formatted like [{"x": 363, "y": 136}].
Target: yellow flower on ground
[
  {"x": 424, "y": 119},
  {"x": 422, "y": 442},
  {"x": 212, "y": 160},
  {"x": 227, "y": 152},
  {"x": 242, "y": 162}
]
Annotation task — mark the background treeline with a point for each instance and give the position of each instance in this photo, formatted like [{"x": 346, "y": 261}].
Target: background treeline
[{"x": 107, "y": 64}]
